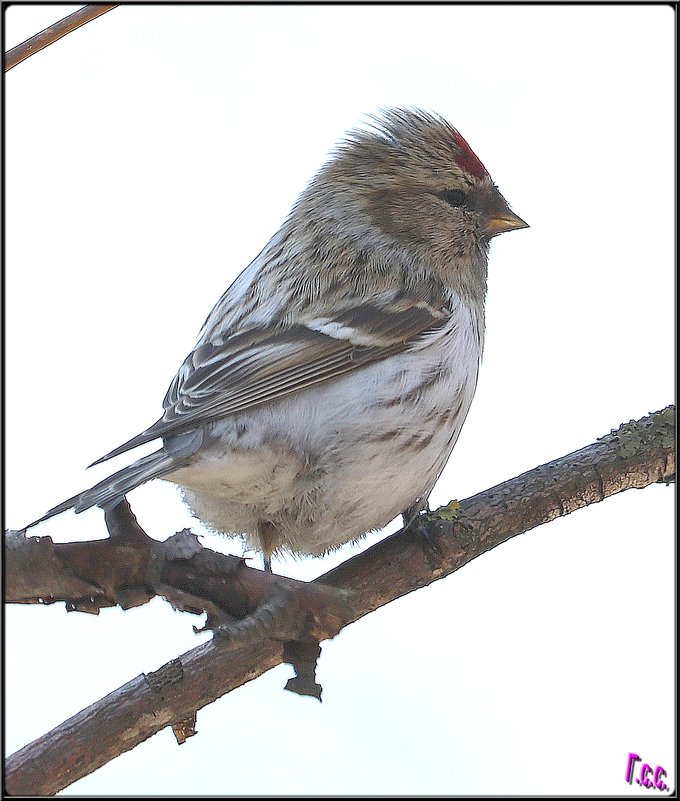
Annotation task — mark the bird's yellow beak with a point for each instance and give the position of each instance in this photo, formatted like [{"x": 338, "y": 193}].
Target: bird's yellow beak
[{"x": 503, "y": 221}]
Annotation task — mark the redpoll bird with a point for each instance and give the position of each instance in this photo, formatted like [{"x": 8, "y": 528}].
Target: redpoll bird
[{"x": 330, "y": 382}]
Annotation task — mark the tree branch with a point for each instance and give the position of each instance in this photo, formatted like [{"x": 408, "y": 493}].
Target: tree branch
[
  {"x": 50, "y": 35},
  {"x": 634, "y": 456},
  {"x": 129, "y": 568}
]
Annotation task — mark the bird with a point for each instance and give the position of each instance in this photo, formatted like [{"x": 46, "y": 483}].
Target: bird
[{"x": 330, "y": 382}]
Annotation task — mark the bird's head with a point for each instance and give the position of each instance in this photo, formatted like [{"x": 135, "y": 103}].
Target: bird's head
[
  {"x": 422, "y": 182},
  {"x": 409, "y": 183}
]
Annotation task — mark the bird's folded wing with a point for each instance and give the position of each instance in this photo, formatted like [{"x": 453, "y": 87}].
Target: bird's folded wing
[{"x": 265, "y": 363}]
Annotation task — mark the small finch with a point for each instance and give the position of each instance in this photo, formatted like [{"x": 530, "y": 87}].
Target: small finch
[{"x": 330, "y": 382}]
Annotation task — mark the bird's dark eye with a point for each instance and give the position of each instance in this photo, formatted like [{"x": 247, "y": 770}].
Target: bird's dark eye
[{"x": 454, "y": 197}]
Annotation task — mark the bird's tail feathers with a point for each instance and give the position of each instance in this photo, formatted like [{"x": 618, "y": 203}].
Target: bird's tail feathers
[
  {"x": 141, "y": 439},
  {"x": 111, "y": 490}
]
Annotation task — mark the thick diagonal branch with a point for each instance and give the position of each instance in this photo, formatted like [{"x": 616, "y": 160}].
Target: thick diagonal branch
[{"x": 634, "y": 456}]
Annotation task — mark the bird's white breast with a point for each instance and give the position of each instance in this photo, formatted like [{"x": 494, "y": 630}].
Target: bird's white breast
[{"x": 333, "y": 461}]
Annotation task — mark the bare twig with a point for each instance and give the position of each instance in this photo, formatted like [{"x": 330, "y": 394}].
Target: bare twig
[
  {"x": 50, "y": 35},
  {"x": 634, "y": 456}
]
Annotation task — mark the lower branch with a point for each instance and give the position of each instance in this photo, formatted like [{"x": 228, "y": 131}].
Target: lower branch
[{"x": 634, "y": 456}]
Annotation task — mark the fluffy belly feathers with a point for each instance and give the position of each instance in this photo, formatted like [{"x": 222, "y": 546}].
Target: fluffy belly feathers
[{"x": 326, "y": 465}]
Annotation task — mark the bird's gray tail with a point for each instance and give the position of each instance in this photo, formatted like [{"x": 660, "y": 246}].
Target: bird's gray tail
[{"x": 111, "y": 490}]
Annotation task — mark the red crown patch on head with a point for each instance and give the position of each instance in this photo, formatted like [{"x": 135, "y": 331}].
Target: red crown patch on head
[{"x": 468, "y": 161}]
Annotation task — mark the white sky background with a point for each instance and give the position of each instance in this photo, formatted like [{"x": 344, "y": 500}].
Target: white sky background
[{"x": 149, "y": 157}]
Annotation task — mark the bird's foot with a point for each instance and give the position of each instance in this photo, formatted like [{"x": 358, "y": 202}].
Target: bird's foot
[
  {"x": 269, "y": 539},
  {"x": 415, "y": 523}
]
